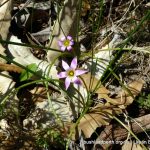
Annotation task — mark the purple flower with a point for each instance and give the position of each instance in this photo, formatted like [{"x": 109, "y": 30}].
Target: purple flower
[
  {"x": 66, "y": 43},
  {"x": 71, "y": 72}
]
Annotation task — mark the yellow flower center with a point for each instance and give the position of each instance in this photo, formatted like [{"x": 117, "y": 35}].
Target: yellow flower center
[
  {"x": 70, "y": 73},
  {"x": 66, "y": 43}
]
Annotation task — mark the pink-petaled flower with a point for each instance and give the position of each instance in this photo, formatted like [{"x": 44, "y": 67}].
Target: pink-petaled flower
[
  {"x": 71, "y": 72},
  {"x": 66, "y": 43}
]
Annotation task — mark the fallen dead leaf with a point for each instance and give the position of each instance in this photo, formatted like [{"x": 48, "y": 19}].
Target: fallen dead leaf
[
  {"x": 125, "y": 97},
  {"x": 98, "y": 117},
  {"x": 91, "y": 121},
  {"x": 130, "y": 145},
  {"x": 102, "y": 114},
  {"x": 91, "y": 83}
]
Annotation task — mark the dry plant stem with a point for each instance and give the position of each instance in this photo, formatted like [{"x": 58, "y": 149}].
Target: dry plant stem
[
  {"x": 10, "y": 67},
  {"x": 66, "y": 24},
  {"x": 111, "y": 133}
]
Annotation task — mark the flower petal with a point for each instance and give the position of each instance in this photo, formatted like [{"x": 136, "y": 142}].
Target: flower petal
[
  {"x": 74, "y": 63},
  {"x": 63, "y": 48},
  {"x": 71, "y": 43},
  {"x": 63, "y": 38},
  {"x": 77, "y": 81},
  {"x": 62, "y": 74},
  {"x": 60, "y": 43},
  {"x": 79, "y": 72},
  {"x": 65, "y": 65},
  {"x": 69, "y": 37},
  {"x": 67, "y": 82},
  {"x": 69, "y": 48},
  {"x": 73, "y": 79}
]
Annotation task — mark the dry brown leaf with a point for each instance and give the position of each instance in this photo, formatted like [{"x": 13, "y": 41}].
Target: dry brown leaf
[
  {"x": 90, "y": 122},
  {"x": 91, "y": 83},
  {"x": 125, "y": 98},
  {"x": 96, "y": 118},
  {"x": 130, "y": 145},
  {"x": 102, "y": 114}
]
